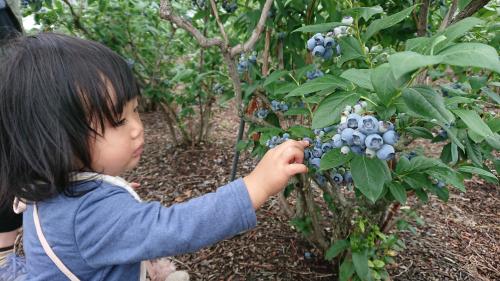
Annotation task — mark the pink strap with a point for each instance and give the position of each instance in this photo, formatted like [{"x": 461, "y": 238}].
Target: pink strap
[{"x": 48, "y": 250}]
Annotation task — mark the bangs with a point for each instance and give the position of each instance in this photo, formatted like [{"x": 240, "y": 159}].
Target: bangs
[{"x": 56, "y": 92}]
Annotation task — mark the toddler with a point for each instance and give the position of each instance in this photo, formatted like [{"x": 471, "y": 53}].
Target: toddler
[{"x": 69, "y": 126}]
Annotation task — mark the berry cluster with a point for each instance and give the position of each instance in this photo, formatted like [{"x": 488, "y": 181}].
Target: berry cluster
[
  {"x": 321, "y": 46},
  {"x": 277, "y": 140},
  {"x": 313, "y": 74},
  {"x": 229, "y": 7},
  {"x": 279, "y": 106},
  {"x": 218, "y": 88},
  {"x": 339, "y": 176},
  {"x": 365, "y": 135},
  {"x": 244, "y": 63},
  {"x": 200, "y": 3}
]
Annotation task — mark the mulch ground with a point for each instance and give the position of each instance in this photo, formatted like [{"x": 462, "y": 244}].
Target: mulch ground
[{"x": 460, "y": 240}]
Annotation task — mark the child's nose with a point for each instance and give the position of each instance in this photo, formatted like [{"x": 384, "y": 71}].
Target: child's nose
[{"x": 137, "y": 128}]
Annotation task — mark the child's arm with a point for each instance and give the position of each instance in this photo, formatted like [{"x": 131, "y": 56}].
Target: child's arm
[{"x": 274, "y": 170}]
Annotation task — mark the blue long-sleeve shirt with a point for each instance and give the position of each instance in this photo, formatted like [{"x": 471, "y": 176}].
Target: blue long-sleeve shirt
[{"x": 105, "y": 233}]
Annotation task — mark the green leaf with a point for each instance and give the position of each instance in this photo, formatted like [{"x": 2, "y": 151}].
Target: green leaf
[
  {"x": 420, "y": 132},
  {"x": 360, "y": 77},
  {"x": 386, "y": 22},
  {"x": 474, "y": 122},
  {"x": 351, "y": 49},
  {"x": 334, "y": 158},
  {"x": 318, "y": 84},
  {"x": 472, "y": 54},
  {"x": 285, "y": 88},
  {"x": 494, "y": 96},
  {"x": 403, "y": 165},
  {"x": 425, "y": 102},
  {"x": 275, "y": 76},
  {"x": 369, "y": 176},
  {"x": 335, "y": 249},
  {"x": 473, "y": 152},
  {"x": 385, "y": 84},
  {"x": 406, "y": 62},
  {"x": 300, "y": 131},
  {"x": 463, "y": 3},
  {"x": 346, "y": 270},
  {"x": 458, "y": 100},
  {"x": 360, "y": 261},
  {"x": 398, "y": 191},
  {"x": 330, "y": 109},
  {"x": 364, "y": 12},
  {"x": 296, "y": 111},
  {"x": 323, "y": 27},
  {"x": 478, "y": 171},
  {"x": 455, "y": 31}
]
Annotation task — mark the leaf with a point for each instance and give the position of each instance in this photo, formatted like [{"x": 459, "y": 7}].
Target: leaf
[
  {"x": 360, "y": 261},
  {"x": 364, "y": 12},
  {"x": 285, "y": 88},
  {"x": 386, "y": 22},
  {"x": 329, "y": 110},
  {"x": 406, "y": 62},
  {"x": 360, "y": 77},
  {"x": 346, "y": 270},
  {"x": 351, "y": 49},
  {"x": 478, "y": 171},
  {"x": 296, "y": 111},
  {"x": 384, "y": 83},
  {"x": 474, "y": 152},
  {"x": 425, "y": 102},
  {"x": 455, "y": 31},
  {"x": 300, "y": 131},
  {"x": 316, "y": 85},
  {"x": 335, "y": 249},
  {"x": 420, "y": 132},
  {"x": 369, "y": 176},
  {"x": 334, "y": 158},
  {"x": 322, "y": 27},
  {"x": 474, "y": 122},
  {"x": 398, "y": 191},
  {"x": 472, "y": 54},
  {"x": 275, "y": 76},
  {"x": 494, "y": 96}
]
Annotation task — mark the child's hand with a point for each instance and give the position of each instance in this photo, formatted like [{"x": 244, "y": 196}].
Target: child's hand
[{"x": 274, "y": 170}]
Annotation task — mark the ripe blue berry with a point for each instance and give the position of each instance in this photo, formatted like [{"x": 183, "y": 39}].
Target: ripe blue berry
[
  {"x": 387, "y": 152},
  {"x": 329, "y": 42},
  {"x": 391, "y": 137},
  {"x": 317, "y": 152},
  {"x": 384, "y": 126},
  {"x": 326, "y": 147},
  {"x": 337, "y": 141},
  {"x": 358, "y": 138},
  {"x": 348, "y": 177},
  {"x": 315, "y": 162},
  {"x": 311, "y": 43},
  {"x": 319, "y": 39},
  {"x": 337, "y": 178},
  {"x": 368, "y": 125},
  {"x": 359, "y": 150},
  {"x": 328, "y": 54},
  {"x": 318, "y": 51},
  {"x": 443, "y": 133},
  {"x": 320, "y": 179},
  {"x": 374, "y": 141},
  {"x": 353, "y": 121},
  {"x": 346, "y": 135}
]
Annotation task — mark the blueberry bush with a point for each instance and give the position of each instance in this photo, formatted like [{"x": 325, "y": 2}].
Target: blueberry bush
[
  {"x": 184, "y": 81},
  {"x": 362, "y": 82}
]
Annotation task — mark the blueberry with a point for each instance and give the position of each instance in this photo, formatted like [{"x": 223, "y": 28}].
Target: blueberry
[
  {"x": 337, "y": 141},
  {"x": 262, "y": 113},
  {"x": 346, "y": 135},
  {"x": 390, "y": 137},
  {"x": 370, "y": 153},
  {"x": 326, "y": 147},
  {"x": 358, "y": 138},
  {"x": 337, "y": 31},
  {"x": 318, "y": 37},
  {"x": 329, "y": 129},
  {"x": 337, "y": 178},
  {"x": 359, "y": 150},
  {"x": 329, "y": 42},
  {"x": 328, "y": 54},
  {"x": 348, "y": 20},
  {"x": 317, "y": 152},
  {"x": 307, "y": 154},
  {"x": 317, "y": 142},
  {"x": 309, "y": 140},
  {"x": 252, "y": 59},
  {"x": 353, "y": 121},
  {"x": 315, "y": 162},
  {"x": 286, "y": 136},
  {"x": 311, "y": 43},
  {"x": 384, "y": 126},
  {"x": 443, "y": 133},
  {"x": 283, "y": 106},
  {"x": 317, "y": 131},
  {"x": 412, "y": 155},
  {"x": 348, "y": 177},
  {"x": 320, "y": 179},
  {"x": 387, "y": 152},
  {"x": 308, "y": 255},
  {"x": 374, "y": 141},
  {"x": 318, "y": 51},
  {"x": 358, "y": 109},
  {"x": 345, "y": 150},
  {"x": 341, "y": 127},
  {"x": 368, "y": 125},
  {"x": 441, "y": 184}
]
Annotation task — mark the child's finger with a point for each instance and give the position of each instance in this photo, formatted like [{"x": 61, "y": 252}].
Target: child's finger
[
  {"x": 295, "y": 168},
  {"x": 294, "y": 154},
  {"x": 135, "y": 185}
]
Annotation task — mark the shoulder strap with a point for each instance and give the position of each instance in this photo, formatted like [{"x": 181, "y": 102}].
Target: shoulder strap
[{"x": 48, "y": 250}]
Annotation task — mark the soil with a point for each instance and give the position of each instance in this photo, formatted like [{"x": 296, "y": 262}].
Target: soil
[{"x": 460, "y": 240}]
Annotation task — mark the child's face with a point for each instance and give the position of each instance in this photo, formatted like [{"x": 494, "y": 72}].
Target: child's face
[{"x": 120, "y": 148}]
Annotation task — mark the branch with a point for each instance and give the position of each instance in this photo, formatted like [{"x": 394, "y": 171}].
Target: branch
[
  {"x": 422, "y": 18},
  {"x": 248, "y": 45},
  {"x": 167, "y": 13},
  {"x": 76, "y": 20},
  {"x": 217, "y": 19},
  {"x": 469, "y": 10},
  {"x": 447, "y": 19}
]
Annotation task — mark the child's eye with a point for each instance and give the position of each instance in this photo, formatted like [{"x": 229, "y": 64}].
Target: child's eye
[
  {"x": 136, "y": 109},
  {"x": 121, "y": 122}
]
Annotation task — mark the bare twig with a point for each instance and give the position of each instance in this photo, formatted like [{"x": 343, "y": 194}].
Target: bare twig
[
  {"x": 469, "y": 10},
  {"x": 423, "y": 18},
  {"x": 248, "y": 45},
  {"x": 449, "y": 16},
  {"x": 217, "y": 19},
  {"x": 76, "y": 19},
  {"x": 265, "y": 55}
]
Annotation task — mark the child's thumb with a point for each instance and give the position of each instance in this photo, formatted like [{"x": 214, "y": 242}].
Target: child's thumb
[{"x": 296, "y": 168}]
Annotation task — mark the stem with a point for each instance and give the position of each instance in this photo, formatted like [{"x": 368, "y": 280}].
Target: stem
[{"x": 241, "y": 128}]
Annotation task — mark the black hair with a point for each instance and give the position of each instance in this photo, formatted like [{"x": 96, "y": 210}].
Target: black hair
[{"x": 56, "y": 93}]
